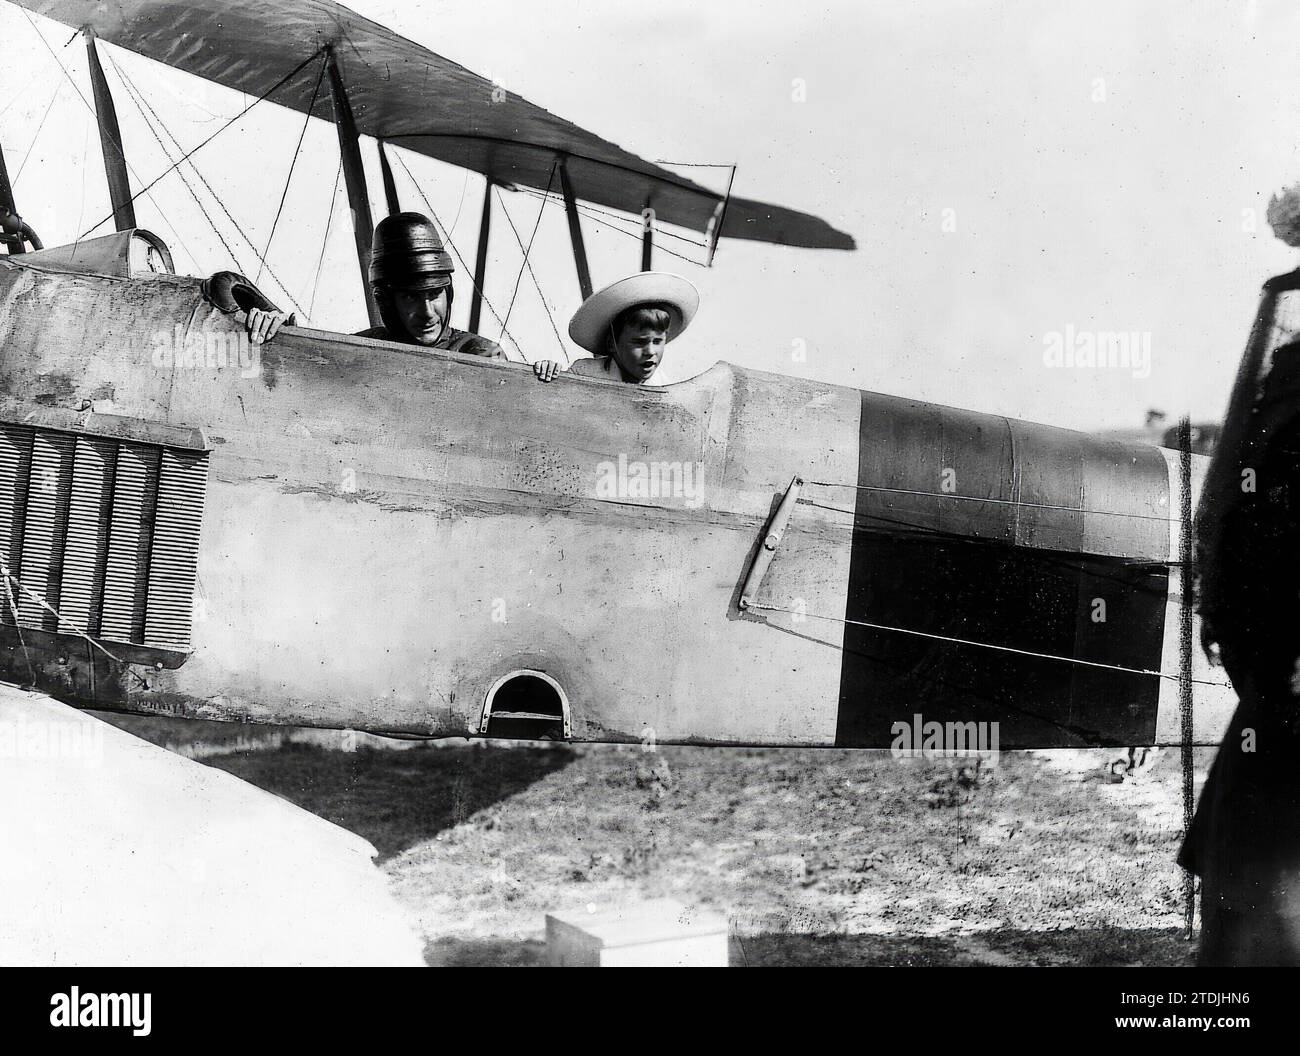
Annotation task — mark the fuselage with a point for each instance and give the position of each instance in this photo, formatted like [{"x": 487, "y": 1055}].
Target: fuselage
[{"x": 391, "y": 535}]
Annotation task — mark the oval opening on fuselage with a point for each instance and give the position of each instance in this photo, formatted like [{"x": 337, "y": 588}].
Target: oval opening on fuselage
[{"x": 526, "y": 705}]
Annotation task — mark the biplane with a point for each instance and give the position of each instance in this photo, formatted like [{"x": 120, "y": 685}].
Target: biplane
[{"x": 356, "y": 534}]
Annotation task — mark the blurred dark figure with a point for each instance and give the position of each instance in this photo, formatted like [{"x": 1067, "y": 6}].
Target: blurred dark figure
[{"x": 1245, "y": 840}]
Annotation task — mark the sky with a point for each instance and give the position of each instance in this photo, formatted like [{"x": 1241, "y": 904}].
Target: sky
[{"x": 1015, "y": 174}]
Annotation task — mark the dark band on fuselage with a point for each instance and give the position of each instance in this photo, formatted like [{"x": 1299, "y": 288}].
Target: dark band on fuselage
[{"x": 1026, "y": 578}]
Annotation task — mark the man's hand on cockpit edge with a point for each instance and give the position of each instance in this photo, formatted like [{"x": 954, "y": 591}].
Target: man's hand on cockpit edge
[
  {"x": 546, "y": 369},
  {"x": 262, "y": 325}
]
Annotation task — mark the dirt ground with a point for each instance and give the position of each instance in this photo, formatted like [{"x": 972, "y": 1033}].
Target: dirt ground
[{"x": 828, "y": 857}]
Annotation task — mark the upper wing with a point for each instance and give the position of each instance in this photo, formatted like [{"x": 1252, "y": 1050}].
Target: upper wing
[{"x": 403, "y": 92}]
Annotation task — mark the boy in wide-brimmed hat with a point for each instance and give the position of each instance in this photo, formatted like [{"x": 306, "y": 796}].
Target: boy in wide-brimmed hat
[{"x": 627, "y": 326}]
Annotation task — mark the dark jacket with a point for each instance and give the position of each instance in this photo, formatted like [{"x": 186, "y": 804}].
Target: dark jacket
[
  {"x": 1244, "y": 842},
  {"x": 452, "y": 340}
]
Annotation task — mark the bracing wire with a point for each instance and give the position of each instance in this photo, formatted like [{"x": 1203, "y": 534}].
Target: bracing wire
[
  {"x": 31, "y": 149},
  {"x": 528, "y": 263},
  {"x": 464, "y": 185},
  {"x": 983, "y": 498},
  {"x": 525, "y": 249},
  {"x": 594, "y": 214},
  {"x": 141, "y": 99},
  {"x": 133, "y": 94},
  {"x": 85, "y": 153},
  {"x": 982, "y": 645},
  {"x": 527, "y": 260},
  {"x": 49, "y": 63},
  {"x": 447, "y": 235},
  {"x": 1043, "y": 557},
  {"x": 189, "y": 154},
  {"x": 593, "y": 211},
  {"x": 289, "y": 179},
  {"x": 582, "y": 208},
  {"x": 694, "y": 164},
  {"x": 329, "y": 220},
  {"x": 91, "y": 110}
]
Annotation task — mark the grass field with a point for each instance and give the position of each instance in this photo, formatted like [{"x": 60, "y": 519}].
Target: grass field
[{"x": 816, "y": 856}]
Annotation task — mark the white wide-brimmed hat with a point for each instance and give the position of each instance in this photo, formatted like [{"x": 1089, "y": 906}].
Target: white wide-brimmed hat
[{"x": 590, "y": 324}]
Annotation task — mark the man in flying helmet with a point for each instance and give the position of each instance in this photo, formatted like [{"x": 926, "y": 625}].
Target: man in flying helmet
[{"x": 410, "y": 275}]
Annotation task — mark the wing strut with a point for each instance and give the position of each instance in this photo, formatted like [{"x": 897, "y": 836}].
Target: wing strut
[
  {"x": 110, "y": 141},
  {"x": 6, "y": 188},
  {"x": 8, "y": 212},
  {"x": 354, "y": 176},
  {"x": 575, "y": 232},
  {"x": 480, "y": 262},
  {"x": 714, "y": 231},
  {"x": 390, "y": 188},
  {"x": 647, "y": 235}
]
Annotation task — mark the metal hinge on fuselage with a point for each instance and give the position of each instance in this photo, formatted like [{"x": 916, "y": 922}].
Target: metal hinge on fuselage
[{"x": 771, "y": 540}]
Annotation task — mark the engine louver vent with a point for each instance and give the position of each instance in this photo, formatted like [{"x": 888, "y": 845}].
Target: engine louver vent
[{"x": 106, "y": 530}]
